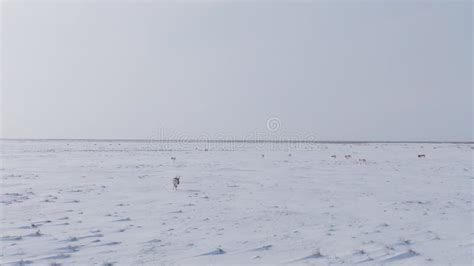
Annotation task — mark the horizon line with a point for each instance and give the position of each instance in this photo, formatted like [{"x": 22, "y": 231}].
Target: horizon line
[{"x": 240, "y": 140}]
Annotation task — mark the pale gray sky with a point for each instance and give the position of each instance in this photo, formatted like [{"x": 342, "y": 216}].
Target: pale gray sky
[{"x": 338, "y": 71}]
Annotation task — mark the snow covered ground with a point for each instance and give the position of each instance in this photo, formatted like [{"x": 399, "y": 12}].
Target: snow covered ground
[{"x": 86, "y": 202}]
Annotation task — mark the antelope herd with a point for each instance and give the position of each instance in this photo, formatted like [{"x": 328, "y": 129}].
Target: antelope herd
[{"x": 347, "y": 156}]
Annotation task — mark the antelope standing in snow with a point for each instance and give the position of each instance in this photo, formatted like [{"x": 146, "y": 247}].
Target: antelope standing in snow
[{"x": 176, "y": 182}]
